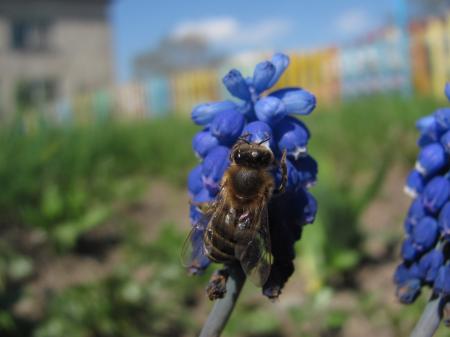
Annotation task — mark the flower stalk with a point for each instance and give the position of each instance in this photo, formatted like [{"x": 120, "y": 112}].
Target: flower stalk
[
  {"x": 223, "y": 307},
  {"x": 429, "y": 321}
]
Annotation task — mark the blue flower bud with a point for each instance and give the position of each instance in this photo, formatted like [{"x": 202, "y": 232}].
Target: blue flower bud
[
  {"x": 195, "y": 183},
  {"x": 401, "y": 274},
  {"x": 292, "y": 135},
  {"x": 416, "y": 211},
  {"x": 213, "y": 168},
  {"x": 197, "y": 218},
  {"x": 442, "y": 282},
  {"x": 309, "y": 208},
  {"x": 408, "y": 291},
  {"x": 409, "y": 251},
  {"x": 432, "y": 159},
  {"x": 263, "y": 75},
  {"x": 408, "y": 226},
  {"x": 227, "y": 126},
  {"x": 445, "y": 141},
  {"x": 447, "y": 90},
  {"x": 443, "y": 118},
  {"x": 270, "y": 110},
  {"x": 425, "y": 123},
  {"x": 436, "y": 194},
  {"x": 296, "y": 100},
  {"x": 444, "y": 220},
  {"x": 281, "y": 62},
  {"x": 430, "y": 263},
  {"x": 307, "y": 169},
  {"x": 203, "y": 142},
  {"x": 414, "y": 184},
  {"x": 257, "y": 132},
  {"x": 425, "y": 233},
  {"x": 424, "y": 140},
  {"x": 236, "y": 85},
  {"x": 204, "y": 113}
]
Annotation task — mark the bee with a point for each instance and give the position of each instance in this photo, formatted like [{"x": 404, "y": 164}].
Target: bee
[{"x": 238, "y": 226}]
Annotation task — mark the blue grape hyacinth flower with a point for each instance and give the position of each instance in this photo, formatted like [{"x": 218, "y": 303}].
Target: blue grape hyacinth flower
[
  {"x": 261, "y": 116},
  {"x": 425, "y": 250}
]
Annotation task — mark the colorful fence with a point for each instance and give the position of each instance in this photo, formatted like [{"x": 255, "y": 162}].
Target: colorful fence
[{"x": 389, "y": 60}]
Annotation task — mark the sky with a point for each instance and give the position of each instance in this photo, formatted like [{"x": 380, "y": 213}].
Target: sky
[{"x": 238, "y": 25}]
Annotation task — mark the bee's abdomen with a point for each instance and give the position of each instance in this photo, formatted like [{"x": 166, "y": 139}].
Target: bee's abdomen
[{"x": 219, "y": 243}]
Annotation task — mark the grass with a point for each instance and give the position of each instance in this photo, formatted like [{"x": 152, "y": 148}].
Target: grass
[{"x": 65, "y": 181}]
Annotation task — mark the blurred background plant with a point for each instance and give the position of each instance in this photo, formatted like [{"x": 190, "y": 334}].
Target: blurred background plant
[{"x": 93, "y": 209}]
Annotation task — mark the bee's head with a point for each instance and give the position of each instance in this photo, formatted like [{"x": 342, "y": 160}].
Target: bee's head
[{"x": 253, "y": 155}]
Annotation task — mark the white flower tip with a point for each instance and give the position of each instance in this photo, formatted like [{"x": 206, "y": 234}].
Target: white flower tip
[
  {"x": 300, "y": 151},
  {"x": 420, "y": 168},
  {"x": 410, "y": 192}
]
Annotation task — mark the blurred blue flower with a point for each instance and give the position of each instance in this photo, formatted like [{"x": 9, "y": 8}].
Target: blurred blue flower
[
  {"x": 425, "y": 233},
  {"x": 307, "y": 169},
  {"x": 281, "y": 62},
  {"x": 270, "y": 110},
  {"x": 204, "y": 113},
  {"x": 227, "y": 126},
  {"x": 445, "y": 141},
  {"x": 427, "y": 224},
  {"x": 296, "y": 100},
  {"x": 293, "y": 136},
  {"x": 416, "y": 211},
  {"x": 432, "y": 158},
  {"x": 443, "y": 118},
  {"x": 263, "y": 75},
  {"x": 414, "y": 183},
  {"x": 408, "y": 291},
  {"x": 195, "y": 183},
  {"x": 442, "y": 282},
  {"x": 430, "y": 263},
  {"x": 213, "y": 168},
  {"x": 236, "y": 85},
  {"x": 409, "y": 250},
  {"x": 436, "y": 194},
  {"x": 259, "y": 119},
  {"x": 444, "y": 220},
  {"x": 203, "y": 142}
]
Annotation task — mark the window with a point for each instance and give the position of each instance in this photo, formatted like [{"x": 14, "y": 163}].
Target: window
[
  {"x": 30, "y": 94},
  {"x": 30, "y": 35}
]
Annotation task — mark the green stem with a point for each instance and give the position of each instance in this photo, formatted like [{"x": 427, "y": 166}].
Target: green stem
[
  {"x": 429, "y": 321},
  {"x": 223, "y": 307}
]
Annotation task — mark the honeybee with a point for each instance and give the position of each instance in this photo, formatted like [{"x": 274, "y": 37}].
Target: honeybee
[{"x": 238, "y": 226}]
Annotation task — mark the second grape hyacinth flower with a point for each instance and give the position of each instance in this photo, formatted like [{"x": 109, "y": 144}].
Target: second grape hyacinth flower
[
  {"x": 425, "y": 250},
  {"x": 259, "y": 115}
]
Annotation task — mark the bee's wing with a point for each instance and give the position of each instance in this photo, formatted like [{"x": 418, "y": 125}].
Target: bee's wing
[
  {"x": 253, "y": 247},
  {"x": 193, "y": 253}
]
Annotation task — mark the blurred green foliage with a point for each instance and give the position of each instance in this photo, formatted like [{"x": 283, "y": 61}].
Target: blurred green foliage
[{"x": 63, "y": 182}]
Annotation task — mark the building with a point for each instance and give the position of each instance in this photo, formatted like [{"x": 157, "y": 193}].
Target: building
[{"x": 52, "y": 49}]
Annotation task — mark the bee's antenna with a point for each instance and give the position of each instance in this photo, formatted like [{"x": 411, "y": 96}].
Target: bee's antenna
[
  {"x": 264, "y": 140},
  {"x": 244, "y": 137}
]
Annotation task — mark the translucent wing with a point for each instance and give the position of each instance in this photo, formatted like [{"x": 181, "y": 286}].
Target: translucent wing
[
  {"x": 193, "y": 254},
  {"x": 253, "y": 248}
]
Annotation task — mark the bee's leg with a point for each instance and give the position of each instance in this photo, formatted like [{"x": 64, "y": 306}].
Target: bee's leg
[
  {"x": 283, "y": 168},
  {"x": 217, "y": 286}
]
